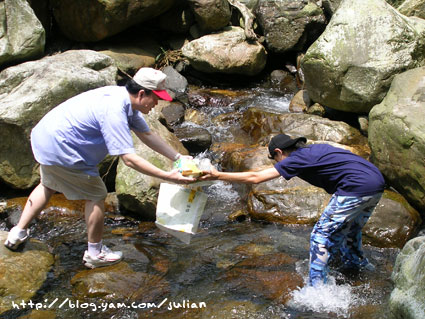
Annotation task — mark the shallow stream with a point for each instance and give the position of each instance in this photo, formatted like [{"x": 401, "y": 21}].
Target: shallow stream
[{"x": 231, "y": 269}]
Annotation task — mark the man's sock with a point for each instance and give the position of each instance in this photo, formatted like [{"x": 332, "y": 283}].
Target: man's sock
[
  {"x": 94, "y": 249},
  {"x": 21, "y": 233}
]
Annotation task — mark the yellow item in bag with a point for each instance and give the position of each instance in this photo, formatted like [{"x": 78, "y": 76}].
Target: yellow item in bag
[{"x": 187, "y": 167}]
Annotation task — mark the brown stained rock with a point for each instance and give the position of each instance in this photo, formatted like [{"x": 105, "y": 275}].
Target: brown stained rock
[
  {"x": 59, "y": 206},
  {"x": 253, "y": 250},
  {"x": 118, "y": 282},
  {"x": 293, "y": 205},
  {"x": 261, "y": 124},
  {"x": 271, "y": 276},
  {"x": 392, "y": 223}
]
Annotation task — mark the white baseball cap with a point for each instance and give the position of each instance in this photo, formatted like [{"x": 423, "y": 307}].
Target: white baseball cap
[{"x": 154, "y": 80}]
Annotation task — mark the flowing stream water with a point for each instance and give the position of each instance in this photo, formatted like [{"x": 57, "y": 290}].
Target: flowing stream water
[{"x": 231, "y": 269}]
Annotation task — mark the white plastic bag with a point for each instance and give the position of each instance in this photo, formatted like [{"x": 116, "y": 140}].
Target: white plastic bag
[{"x": 179, "y": 210}]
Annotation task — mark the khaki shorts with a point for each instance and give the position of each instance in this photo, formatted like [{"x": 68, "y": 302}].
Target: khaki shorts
[{"x": 74, "y": 184}]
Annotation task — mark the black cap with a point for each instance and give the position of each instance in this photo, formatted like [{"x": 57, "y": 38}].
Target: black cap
[{"x": 283, "y": 141}]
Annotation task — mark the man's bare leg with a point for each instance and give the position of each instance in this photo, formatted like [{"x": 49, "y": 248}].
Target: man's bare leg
[
  {"x": 36, "y": 202},
  {"x": 94, "y": 214},
  {"x": 97, "y": 254}
]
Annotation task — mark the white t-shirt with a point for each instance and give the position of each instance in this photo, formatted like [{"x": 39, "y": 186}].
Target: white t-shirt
[{"x": 81, "y": 131}]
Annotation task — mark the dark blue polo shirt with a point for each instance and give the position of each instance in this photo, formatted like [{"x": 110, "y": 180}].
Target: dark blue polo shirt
[{"x": 336, "y": 170}]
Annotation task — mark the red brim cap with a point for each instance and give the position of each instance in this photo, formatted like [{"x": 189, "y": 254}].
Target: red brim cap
[{"x": 163, "y": 94}]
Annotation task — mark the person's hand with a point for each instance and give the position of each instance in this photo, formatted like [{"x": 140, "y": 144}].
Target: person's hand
[
  {"x": 176, "y": 177},
  {"x": 209, "y": 175}
]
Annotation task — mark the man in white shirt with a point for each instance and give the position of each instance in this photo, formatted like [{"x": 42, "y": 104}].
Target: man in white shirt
[{"x": 73, "y": 138}]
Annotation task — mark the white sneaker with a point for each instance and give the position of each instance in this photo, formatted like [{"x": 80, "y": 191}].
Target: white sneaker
[
  {"x": 106, "y": 257},
  {"x": 16, "y": 237}
]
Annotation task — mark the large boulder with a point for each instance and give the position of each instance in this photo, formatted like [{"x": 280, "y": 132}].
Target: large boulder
[
  {"x": 260, "y": 125},
  {"x": 28, "y": 91},
  {"x": 397, "y": 136},
  {"x": 137, "y": 192},
  {"x": 408, "y": 297},
  {"x": 351, "y": 66},
  {"x": 22, "y": 35},
  {"x": 22, "y": 273},
  {"x": 289, "y": 25},
  {"x": 226, "y": 52},
  {"x": 94, "y": 20},
  {"x": 287, "y": 202}
]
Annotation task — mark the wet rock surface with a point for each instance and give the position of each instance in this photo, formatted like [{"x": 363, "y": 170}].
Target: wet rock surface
[
  {"x": 23, "y": 272},
  {"x": 224, "y": 266}
]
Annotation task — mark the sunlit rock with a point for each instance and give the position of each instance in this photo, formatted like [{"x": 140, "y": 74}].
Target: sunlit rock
[
  {"x": 22, "y": 35},
  {"x": 240, "y": 158},
  {"x": 366, "y": 43},
  {"x": 397, "y": 136},
  {"x": 226, "y": 52}
]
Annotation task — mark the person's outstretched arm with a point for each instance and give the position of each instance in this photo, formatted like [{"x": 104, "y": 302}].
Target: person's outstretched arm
[
  {"x": 143, "y": 166},
  {"x": 156, "y": 143},
  {"x": 241, "y": 177}
]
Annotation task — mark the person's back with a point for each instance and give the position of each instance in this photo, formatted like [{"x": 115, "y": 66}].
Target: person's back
[
  {"x": 334, "y": 169},
  {"x": 81, "y": 131}
]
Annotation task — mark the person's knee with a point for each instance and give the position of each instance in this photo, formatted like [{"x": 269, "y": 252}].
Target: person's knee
[{"x": 95, "y": 203}]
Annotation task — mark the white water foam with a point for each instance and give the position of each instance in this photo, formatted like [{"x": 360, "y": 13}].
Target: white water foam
[
  {"x": 326, "y": 298},
  {"x": 273, "y": 104}
]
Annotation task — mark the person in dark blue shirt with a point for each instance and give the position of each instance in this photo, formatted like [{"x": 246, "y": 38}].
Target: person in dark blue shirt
[{"x": 356, "y": 186}]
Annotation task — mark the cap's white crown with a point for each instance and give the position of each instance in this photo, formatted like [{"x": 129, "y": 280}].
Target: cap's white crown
[{"x": 150, "y": 79}]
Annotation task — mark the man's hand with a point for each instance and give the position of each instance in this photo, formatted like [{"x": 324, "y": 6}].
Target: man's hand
[{"x": 176, "y": 177}]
